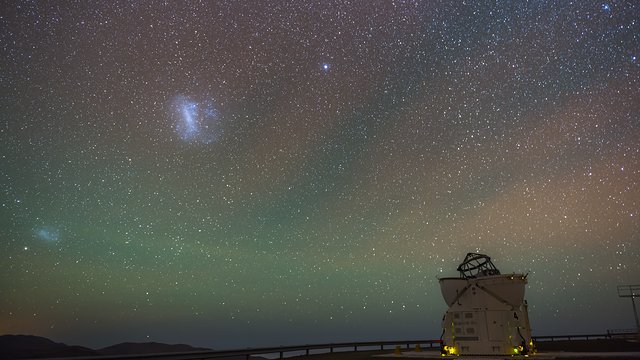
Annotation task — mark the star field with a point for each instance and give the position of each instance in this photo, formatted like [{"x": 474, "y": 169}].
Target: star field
[{"x": 262, "y": 173}]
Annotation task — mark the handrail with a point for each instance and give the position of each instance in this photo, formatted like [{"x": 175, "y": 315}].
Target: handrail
[
  {"x": 622, "y": 331},
  {"x": 281, "y": 350},
  {"x": 571, "y": 337},
  {"x": 609, "y": 335}
]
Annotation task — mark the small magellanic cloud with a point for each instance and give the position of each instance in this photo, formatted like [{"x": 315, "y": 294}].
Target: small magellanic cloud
[{"x": 47, "y": 233}]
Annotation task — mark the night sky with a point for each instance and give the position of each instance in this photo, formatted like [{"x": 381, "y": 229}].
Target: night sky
[{"x": 250, "y": 173}]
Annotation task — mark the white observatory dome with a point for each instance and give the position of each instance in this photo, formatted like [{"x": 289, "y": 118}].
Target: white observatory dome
[{"x": 487, "y": 312}]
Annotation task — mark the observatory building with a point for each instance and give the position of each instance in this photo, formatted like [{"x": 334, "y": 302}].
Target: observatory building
[{"x": 487, "y": 312}]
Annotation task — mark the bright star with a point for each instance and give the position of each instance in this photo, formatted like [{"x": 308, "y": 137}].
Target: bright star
[
  {"x": 606, "y": 7},
  {"x": 326, "y": 67}
]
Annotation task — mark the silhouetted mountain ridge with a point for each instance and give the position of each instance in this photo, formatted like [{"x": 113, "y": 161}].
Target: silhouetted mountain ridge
[
  {"x": 128, "y": 348},
  {"x": 30, "y": 346}
]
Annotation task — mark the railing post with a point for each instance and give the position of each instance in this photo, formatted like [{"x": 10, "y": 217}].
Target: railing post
[
  {"x": 307, "y": 351},
  {"x": 281, "y": 355}
]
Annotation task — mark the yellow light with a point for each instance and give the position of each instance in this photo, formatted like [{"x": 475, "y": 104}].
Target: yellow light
[
  {"x": 450, "y": 350},
  {"x": 515, "y": 350}
]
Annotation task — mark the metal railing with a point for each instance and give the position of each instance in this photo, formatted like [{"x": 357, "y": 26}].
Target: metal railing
[
  {"x": 280, "y": 351},
  {"x": 571, "y": 337},
  {"x": 611, "y": 334}
]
